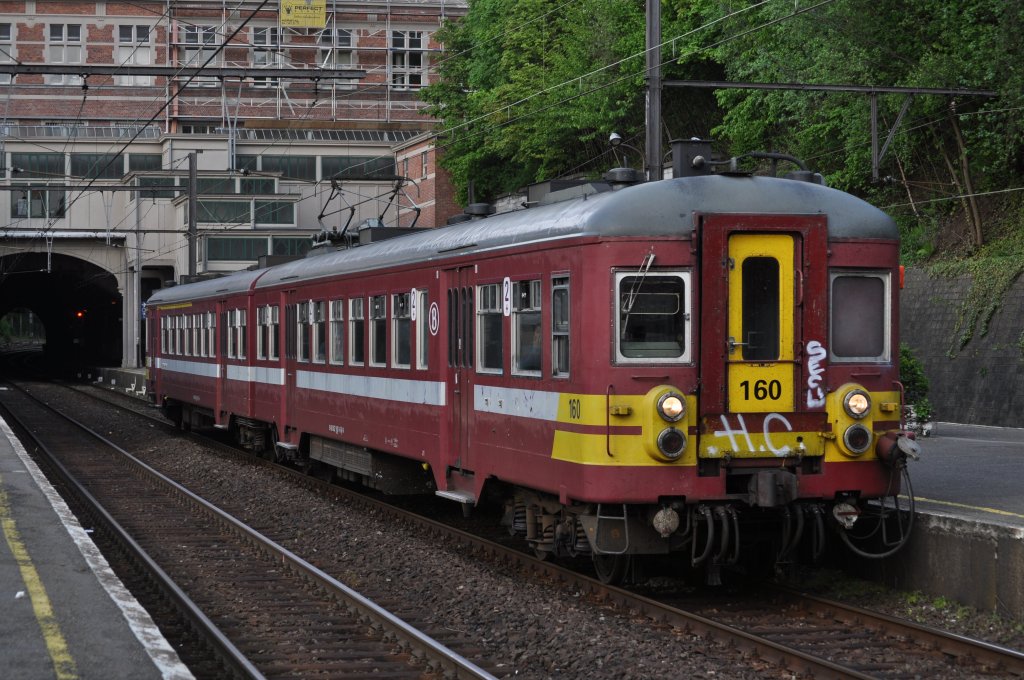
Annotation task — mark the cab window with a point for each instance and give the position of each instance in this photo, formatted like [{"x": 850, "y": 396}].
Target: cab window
[
  {"x": 860, "y": 313},
  {"x": 652, "y": 323}
]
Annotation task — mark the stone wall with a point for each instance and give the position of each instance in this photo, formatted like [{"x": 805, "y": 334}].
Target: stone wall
[{"x": 983, "y": 383}]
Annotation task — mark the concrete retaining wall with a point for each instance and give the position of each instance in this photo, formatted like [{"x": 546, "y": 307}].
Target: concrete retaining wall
[
  {"x": 980, "y": 564},
  {"x": 983, "y": 383}
]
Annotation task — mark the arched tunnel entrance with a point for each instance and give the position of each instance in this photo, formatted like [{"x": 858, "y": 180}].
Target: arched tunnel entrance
[{"x": 77, "y": 302}]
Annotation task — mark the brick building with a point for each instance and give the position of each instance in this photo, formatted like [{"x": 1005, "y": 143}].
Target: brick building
[{"x": 278, "y": 157}]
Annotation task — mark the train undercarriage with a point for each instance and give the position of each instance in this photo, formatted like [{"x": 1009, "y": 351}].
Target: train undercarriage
[{"x": 759, "y": 533}]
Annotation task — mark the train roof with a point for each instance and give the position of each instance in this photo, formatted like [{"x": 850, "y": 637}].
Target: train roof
[{"x": 663, "y": 208}]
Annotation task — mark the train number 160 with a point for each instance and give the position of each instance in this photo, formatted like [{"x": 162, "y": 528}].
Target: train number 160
[
  {"x": 763, "y": 389},
  {"x": 575, "y": 409}
]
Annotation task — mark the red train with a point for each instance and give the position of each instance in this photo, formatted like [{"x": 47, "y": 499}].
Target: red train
[{"x": 690, "y": 365}]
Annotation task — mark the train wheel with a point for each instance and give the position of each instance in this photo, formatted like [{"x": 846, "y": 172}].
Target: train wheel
[{"x": 611, "y": 569}]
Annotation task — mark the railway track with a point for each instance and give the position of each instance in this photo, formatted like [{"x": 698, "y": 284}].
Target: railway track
[
  {"x": 777, "y": 628},
  {"x": 259, "y": 610}
]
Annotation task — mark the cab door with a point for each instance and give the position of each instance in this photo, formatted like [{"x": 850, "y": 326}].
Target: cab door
[
  {"x": 763, "y": 304},
  {"x": 761, "y": 356}
]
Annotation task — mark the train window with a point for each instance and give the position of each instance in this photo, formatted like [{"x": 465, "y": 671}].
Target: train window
[
  {"x": 199, "y": 333},
  {"x": 453, "y": 325},
  {"x": 232, "y": 337},
  {"x": 239, "y": 330},
  {"x": 526, "y": 328},
  {"x": 653, "y": 320},
  {"x": 163, "y": 335},
  {"x": 422, "y": 329},
  {"x": 261, "y": 332},
  {"x": 211, "y": 328},
  {"x": 378, "y": 330},
  {"x": 859, "y": 327},
  {"x": 467, "y": 327},
  {"x": 337, "y": 332},
  {"x": 266, "y": 338},
  {"x": 560, "y": 326},
  {"x": 226, "y": 338},
  {"x": 187, "y": 323},
  {"x": 401, "y": 327},
  {"x": 318, "y": 319},
  {"x": 489, "y": 323},
  {"x": 760, "y": 308},
  {"x": 302, "y": 318},
  {"x": 356, "y": 331}
]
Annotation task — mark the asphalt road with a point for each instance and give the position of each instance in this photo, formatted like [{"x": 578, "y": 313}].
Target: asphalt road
[{"x": 971, "y": 470}]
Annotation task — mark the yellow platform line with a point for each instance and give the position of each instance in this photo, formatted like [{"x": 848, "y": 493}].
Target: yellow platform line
[
  {"x": 63, "y": 664},
  {"x": 1005, "y": 513}
]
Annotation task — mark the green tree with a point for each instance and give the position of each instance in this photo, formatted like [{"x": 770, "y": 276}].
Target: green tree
[{"x": 520, "y": 95}]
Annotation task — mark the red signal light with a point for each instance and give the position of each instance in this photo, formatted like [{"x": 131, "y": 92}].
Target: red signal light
[{"x": 79, "y": 314}]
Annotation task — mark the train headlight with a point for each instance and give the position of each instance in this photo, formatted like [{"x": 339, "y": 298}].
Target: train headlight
[
  {"x": 857, "y": 438},
  {"x": 672, "y": 443},
  {"x": 857, "y": 403},
  {"x": 671, "y": 407}
]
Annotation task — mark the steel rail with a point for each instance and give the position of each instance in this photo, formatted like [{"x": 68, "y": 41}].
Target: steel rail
[
  {"x": 795, "y": 660},
  {"x": 433, "y": 651}
]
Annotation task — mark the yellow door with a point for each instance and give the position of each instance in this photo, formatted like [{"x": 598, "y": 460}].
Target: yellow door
[{"x": 760, "y": 360}]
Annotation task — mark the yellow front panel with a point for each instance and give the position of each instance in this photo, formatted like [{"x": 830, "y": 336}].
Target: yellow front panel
[
  {"x": 762, "y": 386},
  {"x": 590, "y": 429}
]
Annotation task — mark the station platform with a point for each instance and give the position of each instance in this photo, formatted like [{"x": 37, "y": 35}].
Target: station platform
[{"x": 66, "y": 615}]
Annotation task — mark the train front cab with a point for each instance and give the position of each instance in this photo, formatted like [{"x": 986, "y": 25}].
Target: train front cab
[{"x": 799, "y": 377}]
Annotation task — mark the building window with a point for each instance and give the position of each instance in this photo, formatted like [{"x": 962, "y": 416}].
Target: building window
[
  {"x": 134, "y": 49},
  {"x": 560, "y": 326},
  {"x": 266, "y": 53},
  {"x": 97, "y": 165},
  {"x": 335, "y": 52},
  {"x": 291, "y": 167},
  {"x": 490, "y": 351},
  {"x": 423, "y": 165},
  {"x": 220, "y": 248},
  {"x": 274, "y": 212},
  {"x": 408, "y": 64},
  {"x": 291, "y": 246},
  {"x": 226, "y": 212},
  {"x": 526, "y": 328},
  {"x": 200, "y": 45},
  {"x": 37, "y": 203},
  {"x": 6, "y": 51},
  {"x": 64, "y": 47},
  {"x": 422, "y": 329},
  {"x": 144, "y": 161},
  {"x": 401, "y": 330},
  {"x": 337, "y": 332},
  {"x": 378, "y": 330},
  {"x": 358, "y": 167},
  {"x": 356, "y": 332}
]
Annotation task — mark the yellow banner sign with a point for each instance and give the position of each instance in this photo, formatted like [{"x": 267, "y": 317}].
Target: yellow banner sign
[{"x": 304, "y": 13}]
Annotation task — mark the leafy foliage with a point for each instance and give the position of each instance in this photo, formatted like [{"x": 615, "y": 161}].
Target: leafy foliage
[
  {"x": 529, "y": 90},
  {"x": 915, "y": 383}
]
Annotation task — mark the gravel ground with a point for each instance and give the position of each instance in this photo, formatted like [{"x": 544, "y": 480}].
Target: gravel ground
[{"x": 532, "y": 630}]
